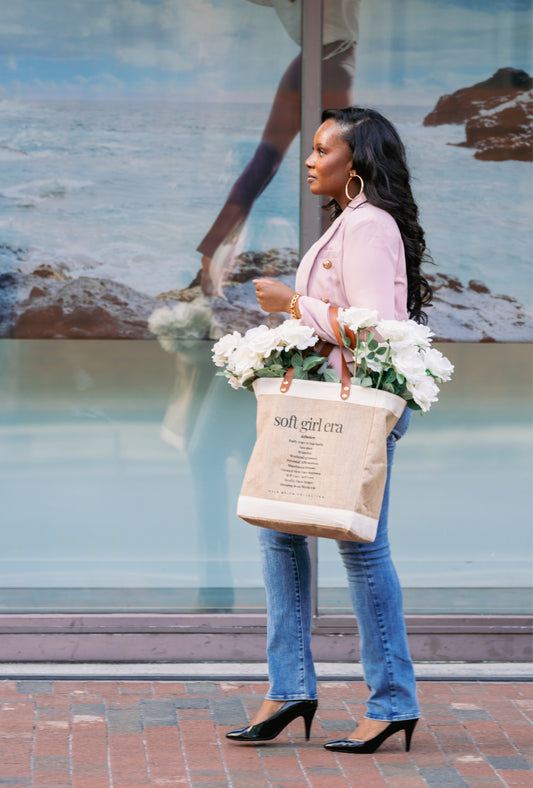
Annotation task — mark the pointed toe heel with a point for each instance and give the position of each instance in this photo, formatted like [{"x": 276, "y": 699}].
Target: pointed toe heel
[
  {"x": 371, "y": 745},
  {"x": 272, "y": 727}
]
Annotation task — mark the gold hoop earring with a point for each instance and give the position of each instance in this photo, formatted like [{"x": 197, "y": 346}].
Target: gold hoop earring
[{"x": 346, "y": 188}]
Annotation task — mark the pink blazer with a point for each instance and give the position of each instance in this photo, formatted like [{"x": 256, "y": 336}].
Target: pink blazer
[{"x": 358, "y": 261}]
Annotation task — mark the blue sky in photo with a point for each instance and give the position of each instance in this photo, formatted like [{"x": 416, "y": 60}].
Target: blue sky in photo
[{"x": 230, "y": 50}]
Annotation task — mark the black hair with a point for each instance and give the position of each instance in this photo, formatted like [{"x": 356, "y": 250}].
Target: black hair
[{"x": 379, "y": 158}]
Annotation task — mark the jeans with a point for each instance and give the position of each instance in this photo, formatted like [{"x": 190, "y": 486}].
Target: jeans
[{"x": 377, "y": 602}]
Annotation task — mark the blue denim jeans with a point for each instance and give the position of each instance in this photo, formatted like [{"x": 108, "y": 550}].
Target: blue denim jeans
[{"x": 377, "y": 602}]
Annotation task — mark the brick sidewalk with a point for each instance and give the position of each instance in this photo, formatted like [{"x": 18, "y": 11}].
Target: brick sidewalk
[{"x": 105, "y": 734}]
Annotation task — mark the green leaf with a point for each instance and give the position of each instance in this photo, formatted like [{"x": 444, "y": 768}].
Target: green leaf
[
  {"x": 400, "y": 378},
  {"x": 296, "y": 360},
  {"x": 381, "y": 351},
  {"x": 331, "y": 375},
  {"x": 373, "y": 345},
  {"x": 367, "y": 383},
  {"x": 311, "y": 362}
]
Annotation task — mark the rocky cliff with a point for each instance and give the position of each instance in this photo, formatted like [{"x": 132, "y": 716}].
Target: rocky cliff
[
  {"x": 497, "y": 113},
  {"x": 47, "y": 304}
]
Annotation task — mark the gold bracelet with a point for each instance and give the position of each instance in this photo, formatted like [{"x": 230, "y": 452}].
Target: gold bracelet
[{"x": 292, "y": 307}]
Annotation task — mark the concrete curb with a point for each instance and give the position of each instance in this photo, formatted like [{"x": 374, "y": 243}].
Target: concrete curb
[{"x": 253, "y": 671}]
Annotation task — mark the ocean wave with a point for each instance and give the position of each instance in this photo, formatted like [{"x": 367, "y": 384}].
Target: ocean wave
[
  {"x": 27, "y": 154},
  {"x": 30, "y": 193},
  {"x": 8, "y": 153}
]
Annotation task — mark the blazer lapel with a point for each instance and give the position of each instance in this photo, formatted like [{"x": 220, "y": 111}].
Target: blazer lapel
[
  {"x": 304, "y": 269},
  {"x": 307, "y": 262}
]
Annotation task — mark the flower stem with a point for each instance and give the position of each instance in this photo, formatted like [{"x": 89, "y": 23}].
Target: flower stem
[
  {"x": 355, "y": 353},
  {"x": 383, "y": 364}
]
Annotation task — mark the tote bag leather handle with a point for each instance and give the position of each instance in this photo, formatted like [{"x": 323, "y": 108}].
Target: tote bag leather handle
[{"x": 346, "y": 379}]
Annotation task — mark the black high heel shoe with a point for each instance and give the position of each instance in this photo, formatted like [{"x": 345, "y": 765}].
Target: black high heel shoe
[
  {"x": 371, "y": 745},
  {"x": 273, "y": 725}
]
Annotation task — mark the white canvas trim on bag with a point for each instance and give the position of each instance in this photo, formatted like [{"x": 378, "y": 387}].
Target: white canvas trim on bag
[
  {"x": 250, "y": 509},
  {"x": 315, "y": 389}
]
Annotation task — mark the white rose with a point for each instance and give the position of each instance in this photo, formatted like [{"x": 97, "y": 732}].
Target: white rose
[
  {"x": 293, "y": 334},
  {"x": 408, "y": 362},
  {"x": 244, "y": 361},
  {"x": 234, "y": 382},
  {"x": 356, "y": 317},
  {"x": 225, "y": 346},
  {"x": 262, "y": 340},
  {"x": 402, "y": 333},
  {"x": 437, "y": 364},
  {"x": 424, "y": 391}
]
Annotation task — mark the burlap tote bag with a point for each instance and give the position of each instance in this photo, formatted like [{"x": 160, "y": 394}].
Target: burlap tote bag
[{"x": 319, "y": 464}]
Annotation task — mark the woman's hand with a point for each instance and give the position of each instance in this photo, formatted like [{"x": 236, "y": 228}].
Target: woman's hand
[{"x": 273, "y": 296}]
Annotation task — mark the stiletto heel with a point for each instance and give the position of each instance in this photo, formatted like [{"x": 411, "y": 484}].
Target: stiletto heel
[
  {"x": 308, "y": 715},
  {"x": 371, "y": 745},
  {"x": 271, "y": 727},
  {"x": 409, "y": 728}
]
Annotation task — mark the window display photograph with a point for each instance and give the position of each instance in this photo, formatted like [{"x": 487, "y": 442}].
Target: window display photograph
[
  {"x": 154, "y": 188},
  {"x": 150, "y": 157}
]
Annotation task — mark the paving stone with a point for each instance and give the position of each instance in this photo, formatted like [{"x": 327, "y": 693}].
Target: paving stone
[
  {"x": 51, "y": 763},
  {"x": 508, "y": 762},
  {"x": 471, "y": 734},
  {"x": 158, "y": 712},
  {"x": 191, "y": 703},
  {"x": 14, "y": 781},
  {"x": 444, "y": 776},
  {"x": 89, "y": 709},
  {"x": 124, "y": 721},
  {"x": 202, "y": 687},
  {"x": 228, "y": 711},
  {"x": 337, "y": 725},
  {"x": 398, "y": 769},
  {"x": 472, "y": 714},
  {"x": 222, "y": 784},
  {"x": 322, "y": 771},
  {"x": 26, "y": 687}
]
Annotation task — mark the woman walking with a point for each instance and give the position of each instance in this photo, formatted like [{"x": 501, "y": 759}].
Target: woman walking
[{"x": 369, "y": 257}]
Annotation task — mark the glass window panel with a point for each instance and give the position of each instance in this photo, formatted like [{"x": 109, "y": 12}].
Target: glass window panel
[
  {"x": 461, "y": 498},
  {"x": 120, "y": 470}
]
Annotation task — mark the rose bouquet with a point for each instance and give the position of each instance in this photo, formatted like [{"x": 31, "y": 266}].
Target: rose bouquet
[
  {"x": 396, "y": 356},
  {"x": 269, "y": 352}
]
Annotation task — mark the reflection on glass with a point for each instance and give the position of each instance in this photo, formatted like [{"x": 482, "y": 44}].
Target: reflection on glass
[
  {"x": 201, "y": 421},
  {"x": 100, "y": 513},
  {"x": 461, "y": 494}
]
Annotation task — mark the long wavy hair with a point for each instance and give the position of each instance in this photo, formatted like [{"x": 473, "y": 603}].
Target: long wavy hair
[{"x": 379, "y": 158}]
